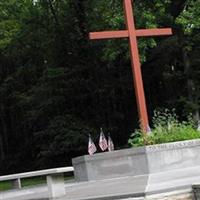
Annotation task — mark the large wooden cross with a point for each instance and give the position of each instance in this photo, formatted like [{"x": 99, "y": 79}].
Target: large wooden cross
[{"x": 132, "y": 34}]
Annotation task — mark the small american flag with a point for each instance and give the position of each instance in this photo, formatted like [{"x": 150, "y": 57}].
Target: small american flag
[
  {"x": 102, "y": 141},
  {"x": 110, "y": 143},
  {"x": 91, "y": 146}
]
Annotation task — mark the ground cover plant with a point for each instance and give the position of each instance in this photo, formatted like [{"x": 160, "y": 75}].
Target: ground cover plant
[{"x": 166, "y": 128}]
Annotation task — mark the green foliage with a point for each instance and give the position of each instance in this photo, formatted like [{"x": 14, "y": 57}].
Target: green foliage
[
  {"x": 190, "y": 17},
  {"x": 166, "y": 128}
]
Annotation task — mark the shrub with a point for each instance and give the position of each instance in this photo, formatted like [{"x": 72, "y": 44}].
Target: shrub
[{"x": 166, "y": 128}]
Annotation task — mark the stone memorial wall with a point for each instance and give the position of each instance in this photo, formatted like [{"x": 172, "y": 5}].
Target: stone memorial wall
[{"x": 157, "y": 168}]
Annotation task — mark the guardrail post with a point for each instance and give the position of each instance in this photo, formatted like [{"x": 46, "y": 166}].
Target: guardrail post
[
  {"x": 56, "y": 186},
  {"x": 16, "y": 184}
]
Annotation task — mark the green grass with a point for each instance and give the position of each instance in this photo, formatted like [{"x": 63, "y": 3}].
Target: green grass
[
  {"x": 33, "y": 181},
  {"x": 6, "y": 185}
]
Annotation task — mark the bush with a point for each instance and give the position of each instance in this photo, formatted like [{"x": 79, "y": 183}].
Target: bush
[{"x": 166, "y": 128}]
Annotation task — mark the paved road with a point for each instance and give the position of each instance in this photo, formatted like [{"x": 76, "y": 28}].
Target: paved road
[{"x": 123, "y": 188}]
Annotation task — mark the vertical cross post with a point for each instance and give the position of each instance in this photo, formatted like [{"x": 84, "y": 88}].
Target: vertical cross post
[{"x": 136, "y": 69}]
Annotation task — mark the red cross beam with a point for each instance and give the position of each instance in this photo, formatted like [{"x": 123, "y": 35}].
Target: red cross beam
[{"x": 132, "y": 33}]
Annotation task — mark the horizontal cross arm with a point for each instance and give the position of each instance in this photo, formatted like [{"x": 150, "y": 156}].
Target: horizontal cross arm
[
  {"x": 125, "y": 33},
  {"x": 154, "y": 32},
  {"x": 108, "y": 34}
]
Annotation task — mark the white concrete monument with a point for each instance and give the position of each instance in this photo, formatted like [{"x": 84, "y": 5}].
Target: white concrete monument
[{"x": 157, "y": 168}]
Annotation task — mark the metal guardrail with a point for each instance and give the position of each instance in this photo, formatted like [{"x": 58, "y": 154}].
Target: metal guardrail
[
  {"x": 54, "y": 177},
  {"x": 37, "y": 173}
]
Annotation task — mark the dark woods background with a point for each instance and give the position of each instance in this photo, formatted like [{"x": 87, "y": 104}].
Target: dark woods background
[{"x": 56, "y": 86}]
